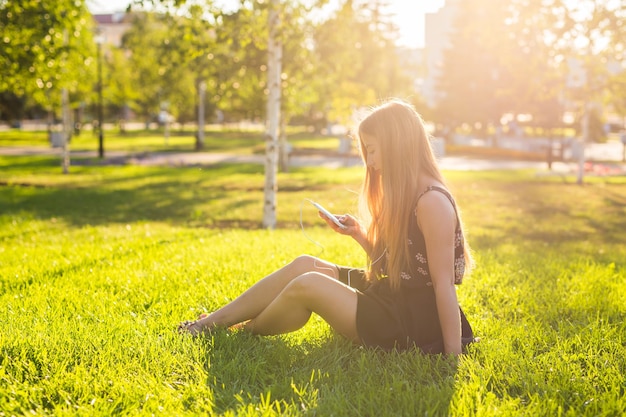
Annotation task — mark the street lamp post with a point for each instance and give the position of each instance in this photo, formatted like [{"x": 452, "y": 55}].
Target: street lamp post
[{"x": 99, "y": 40}]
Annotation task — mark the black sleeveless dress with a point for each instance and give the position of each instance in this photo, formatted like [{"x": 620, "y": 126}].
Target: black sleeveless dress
[{"x": 407, "y": 317}]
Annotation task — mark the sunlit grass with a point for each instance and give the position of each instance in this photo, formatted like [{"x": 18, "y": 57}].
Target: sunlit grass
[
  {"x": 97, "y": 268},
  {"x": 216, "y": 139}
]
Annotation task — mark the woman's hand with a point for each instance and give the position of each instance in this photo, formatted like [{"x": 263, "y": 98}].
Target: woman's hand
[{"x": 352, "y": 226}]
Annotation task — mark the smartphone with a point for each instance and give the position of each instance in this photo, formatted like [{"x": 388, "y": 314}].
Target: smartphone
[{"x": 329, "y": 215}]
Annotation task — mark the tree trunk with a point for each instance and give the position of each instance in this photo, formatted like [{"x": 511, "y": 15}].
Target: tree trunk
[
  {"x": 273, "y": 117},
  {"x": 200, "y": 135},
  {"x": 283, "y": 157},
  {"x": 67, "y": 121},
  {"x": 67, "y": 131},
  {"x": 585, "y": 138}
]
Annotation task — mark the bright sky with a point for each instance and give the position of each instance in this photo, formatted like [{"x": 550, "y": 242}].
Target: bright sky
[
  {"x": 410, "y": 19},
  {"x": 409, "y": 15}
]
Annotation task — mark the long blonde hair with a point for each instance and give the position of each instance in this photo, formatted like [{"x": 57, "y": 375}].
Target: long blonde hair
[{"x": 389, "y": 200}]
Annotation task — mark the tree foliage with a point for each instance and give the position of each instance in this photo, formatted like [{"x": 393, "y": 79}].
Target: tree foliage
[
  {"x": 357, "y": 62},
  {"x": 329, "y": 66},
  {"x": 519, "y": 57},
  {"x": 505, "y": 57},
  {"x": 46, "y": 46},
  {"x": 617, "y": 95},
  {"x": 147, "y": 44},
  {"x": 475, "y": 76}
]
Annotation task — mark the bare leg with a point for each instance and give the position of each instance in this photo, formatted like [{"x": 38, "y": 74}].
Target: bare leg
[
  {"x": 256, "y": 299},
  {"x": 312, "y": 292}
]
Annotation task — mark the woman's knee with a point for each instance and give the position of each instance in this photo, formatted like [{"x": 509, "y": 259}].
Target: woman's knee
[
  {"x": 306, "y": 263},
  {"x": 303, "y": 286}
]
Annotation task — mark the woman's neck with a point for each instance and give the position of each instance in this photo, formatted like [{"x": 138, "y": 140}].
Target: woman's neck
[{"x": 426, "y": 181}]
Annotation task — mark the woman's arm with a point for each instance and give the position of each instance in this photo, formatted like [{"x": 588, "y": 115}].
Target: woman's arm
[{"x": 437, "y": 220}]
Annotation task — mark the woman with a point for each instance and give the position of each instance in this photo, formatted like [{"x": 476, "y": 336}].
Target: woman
[{"x": 414, "y": 240}]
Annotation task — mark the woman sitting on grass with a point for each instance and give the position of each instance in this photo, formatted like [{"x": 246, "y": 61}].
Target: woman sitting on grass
[{"x": 413, "y": 239}]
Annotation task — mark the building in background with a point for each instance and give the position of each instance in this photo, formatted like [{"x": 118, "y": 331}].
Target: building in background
[
  {"x": 113, "y": 26},
  {"x": 437, "y": 27}
]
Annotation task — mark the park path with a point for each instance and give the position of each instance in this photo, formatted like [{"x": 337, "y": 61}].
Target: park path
[{"x": 181, "y": 159}]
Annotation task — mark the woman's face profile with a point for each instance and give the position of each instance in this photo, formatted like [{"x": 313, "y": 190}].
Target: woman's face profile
[{"x": 373, "y": 157}]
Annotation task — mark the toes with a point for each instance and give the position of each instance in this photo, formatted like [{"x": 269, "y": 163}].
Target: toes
[
  {"x": 195, "y": 328},
  {"x": 184, "y": 326}
]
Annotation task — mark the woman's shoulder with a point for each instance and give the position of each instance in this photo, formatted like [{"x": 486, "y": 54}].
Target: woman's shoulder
[
  {"x": 437, "y": 187},
  {"x": 435, "y": 202},
  {"x": 434, "y": 193}
]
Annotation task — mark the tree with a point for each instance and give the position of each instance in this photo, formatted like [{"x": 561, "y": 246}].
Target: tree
[
  {"x": 46, "y": 47},
  {"x": 244, "y": 77},
  {"x": 572, "y": 46},
  {"x": 274, "y": 70},
  {"x": 46, "y": 55},
  {"x": 337, "y": 48},
  {"x": 617, "y": 95},
  {"x": 617, "y": 99},
  {"x": 535, "y": 71},
  {"x": 120, "y": 91},
  {"x": 591, "y": 33},
  {"x": 380, "y": 61},
  {"x": 357, "y": 60},
  {"x": 193, "y": 47},
  {"x": 474, "y": 75},
  {"x": 147, "y": 43},
  {"x": 240, "y": 84}
]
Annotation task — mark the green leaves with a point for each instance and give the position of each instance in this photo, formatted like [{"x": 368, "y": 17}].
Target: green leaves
[
  {"x": 541, "y": 58},
  {"x": 46, "y": 46}
]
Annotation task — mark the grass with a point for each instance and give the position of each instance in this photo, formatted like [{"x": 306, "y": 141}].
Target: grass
[
  {"x": 98, "y": 267},
  {"x": 217, "y": 139}
]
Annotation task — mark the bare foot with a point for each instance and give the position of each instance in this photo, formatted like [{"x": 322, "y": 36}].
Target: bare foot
[
  {"x": 196, "y": 327},
  {"x": 201, "y": 326}
]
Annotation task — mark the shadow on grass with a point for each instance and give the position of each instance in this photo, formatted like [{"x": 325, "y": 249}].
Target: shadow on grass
[
  {"x": 30, "y": 162},
  {"x": 332, "y": 377},
  {"x": 219, "y": 196},
  {"x": 554, "y": 213},
  {"x": 96, "y": 206},
  {"x": 179, "y": 195}
]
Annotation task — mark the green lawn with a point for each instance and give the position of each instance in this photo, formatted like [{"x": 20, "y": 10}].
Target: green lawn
[
  {"x": 98, "y": 267},
  {"x": 216, "y": 139}
]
